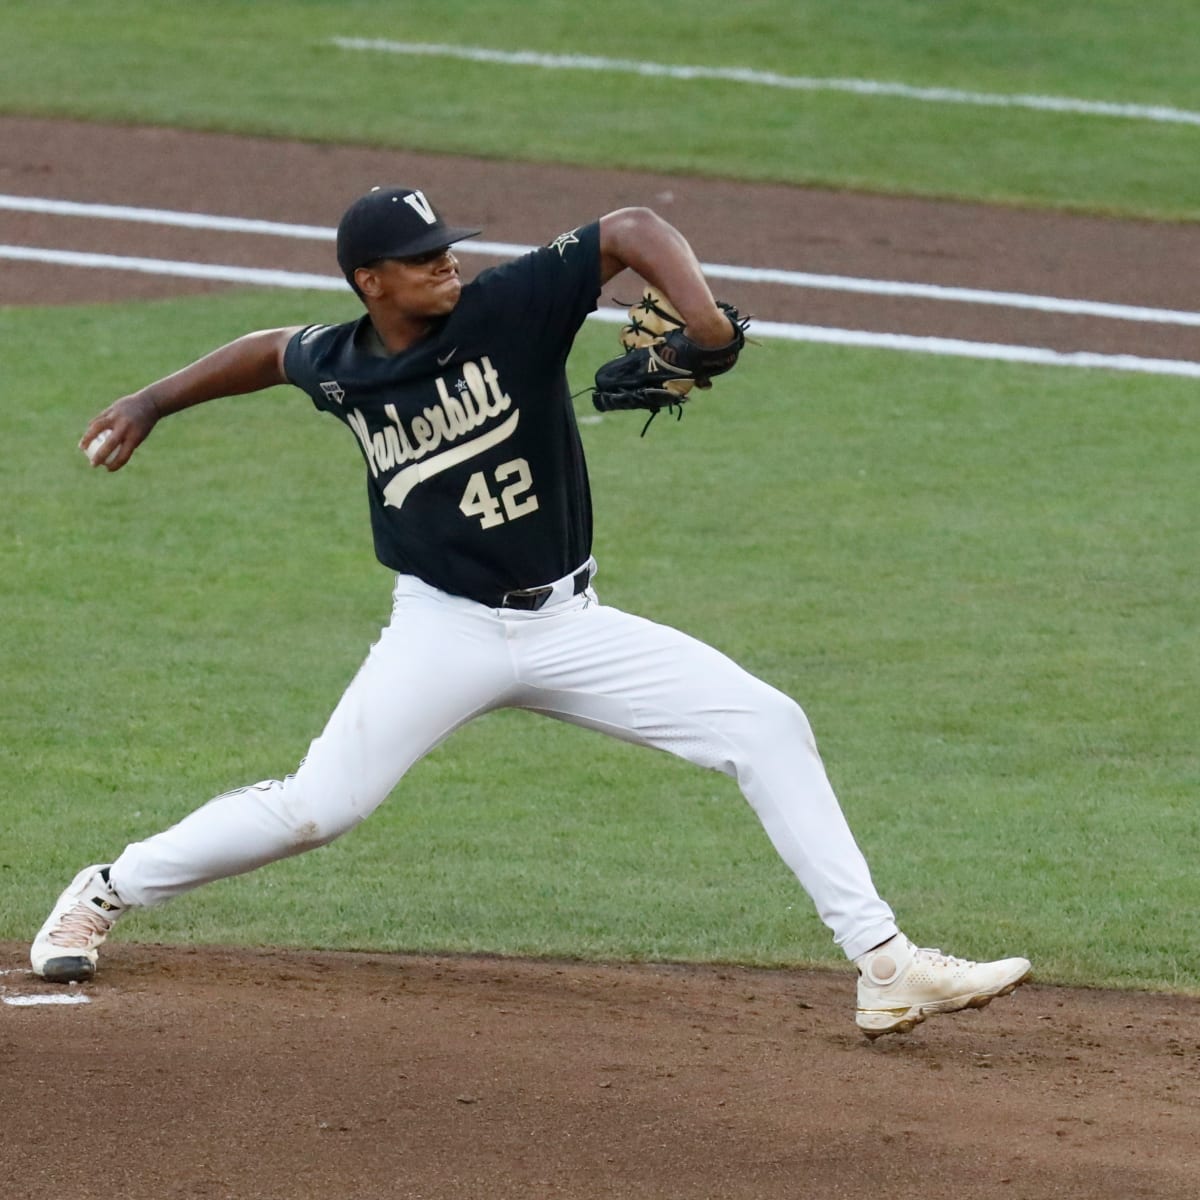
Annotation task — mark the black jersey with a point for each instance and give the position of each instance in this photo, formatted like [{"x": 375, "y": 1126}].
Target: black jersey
[{"x": 475, "y": 470}]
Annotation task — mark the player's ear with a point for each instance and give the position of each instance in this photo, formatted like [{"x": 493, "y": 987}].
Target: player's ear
[{"x": 367, "y": 280}]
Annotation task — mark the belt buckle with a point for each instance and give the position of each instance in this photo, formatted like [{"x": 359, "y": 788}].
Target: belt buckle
[{"x": 528, "y": 599}]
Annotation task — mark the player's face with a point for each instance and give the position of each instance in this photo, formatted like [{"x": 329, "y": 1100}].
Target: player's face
[{"x": 426, "y": 285}]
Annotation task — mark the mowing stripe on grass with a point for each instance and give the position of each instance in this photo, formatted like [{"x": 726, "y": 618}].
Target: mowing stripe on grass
[
  {"x": 804, "y": 83},
  {"x": 800, "y": 279},
  {"x": 952, "y": 347}
]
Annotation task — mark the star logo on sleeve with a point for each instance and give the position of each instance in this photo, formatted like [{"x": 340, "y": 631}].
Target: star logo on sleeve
[{"x": 564, "y": 240}]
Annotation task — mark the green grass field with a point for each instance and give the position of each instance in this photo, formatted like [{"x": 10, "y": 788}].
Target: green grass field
[
  {"x": 271, "y": 68},
  {"x": 978, "y": 579}
]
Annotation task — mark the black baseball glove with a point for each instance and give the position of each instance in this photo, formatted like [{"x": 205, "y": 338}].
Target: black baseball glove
[{"x": 661, "y": 364}]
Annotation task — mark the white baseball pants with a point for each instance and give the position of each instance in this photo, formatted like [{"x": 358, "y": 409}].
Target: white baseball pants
[{"x": 443, "y": 660}]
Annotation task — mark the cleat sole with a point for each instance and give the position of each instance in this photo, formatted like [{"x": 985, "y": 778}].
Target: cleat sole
[{"x": 68, "y": 969}]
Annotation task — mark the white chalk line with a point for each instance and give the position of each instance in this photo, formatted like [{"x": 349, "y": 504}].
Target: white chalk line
[
  {"x": 31, "y": 1001},
  {"x": 799, "y": 279},
  {"x": 959, "y": 295},
  {"x": 36, "y": 998},
  {"x": 256, "y": 276},
  {"x": 805, "y": 83},
  {"x": 766, "y": 329}
]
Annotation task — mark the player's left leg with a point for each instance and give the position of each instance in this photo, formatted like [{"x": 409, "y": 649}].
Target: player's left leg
[{"x": 652, "y": 685}]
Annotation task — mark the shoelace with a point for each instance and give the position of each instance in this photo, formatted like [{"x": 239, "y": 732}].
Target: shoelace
[
  {"x": 938, "y": 958},
  {"x": 79, "y": 926}
]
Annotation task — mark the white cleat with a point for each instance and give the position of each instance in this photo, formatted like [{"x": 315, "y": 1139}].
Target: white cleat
[
  {"x": 900, "y": 984},
  {"x": 65, "y": 949}
]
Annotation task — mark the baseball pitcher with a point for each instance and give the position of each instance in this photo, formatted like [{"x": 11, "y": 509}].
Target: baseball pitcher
[{"x": 479, "y": 502}]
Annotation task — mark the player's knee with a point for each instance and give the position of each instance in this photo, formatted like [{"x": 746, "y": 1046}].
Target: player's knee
[
  {"x": 762, "y": 731},
  {"x": 308, "y": 835},
  {"x": 781, "y": 724},
  {"x": 309, "y": 825}
]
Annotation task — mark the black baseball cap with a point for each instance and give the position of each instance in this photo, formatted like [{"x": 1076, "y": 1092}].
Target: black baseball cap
[{"x": 393, "y": 222}]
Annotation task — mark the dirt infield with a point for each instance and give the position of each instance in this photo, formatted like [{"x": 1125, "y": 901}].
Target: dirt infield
[
  {"x": 212, "y": 1073},
  {"x": 218, "y": 1073}
]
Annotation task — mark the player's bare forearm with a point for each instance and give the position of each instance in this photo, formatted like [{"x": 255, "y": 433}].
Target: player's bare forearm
[
  {"x": 640, "y": 239},
  {"x": 249, "y": 364}
]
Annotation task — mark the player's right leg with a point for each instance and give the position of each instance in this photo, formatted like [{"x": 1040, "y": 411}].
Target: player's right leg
[{"x": 438, "y": 664}]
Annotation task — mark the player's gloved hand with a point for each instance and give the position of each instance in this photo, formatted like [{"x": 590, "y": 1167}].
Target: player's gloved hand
[
  {"x": 661, "y": 363},
  {"x": 121, "y": 428}
]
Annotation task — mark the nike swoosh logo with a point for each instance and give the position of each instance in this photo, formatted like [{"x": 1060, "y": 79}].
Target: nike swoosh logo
[
  {"x": 443, "y": 359},
  {"x": 403, "y": 482}
]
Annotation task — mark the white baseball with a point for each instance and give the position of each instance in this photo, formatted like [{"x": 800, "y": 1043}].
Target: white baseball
[{"x": 97, "y": 444}]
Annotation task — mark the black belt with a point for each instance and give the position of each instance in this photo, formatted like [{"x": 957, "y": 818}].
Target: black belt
[{"x": 531, "y": 599}]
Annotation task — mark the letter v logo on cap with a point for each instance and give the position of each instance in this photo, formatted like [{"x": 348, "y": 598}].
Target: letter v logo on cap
[{"x": 417, "y": 202}]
